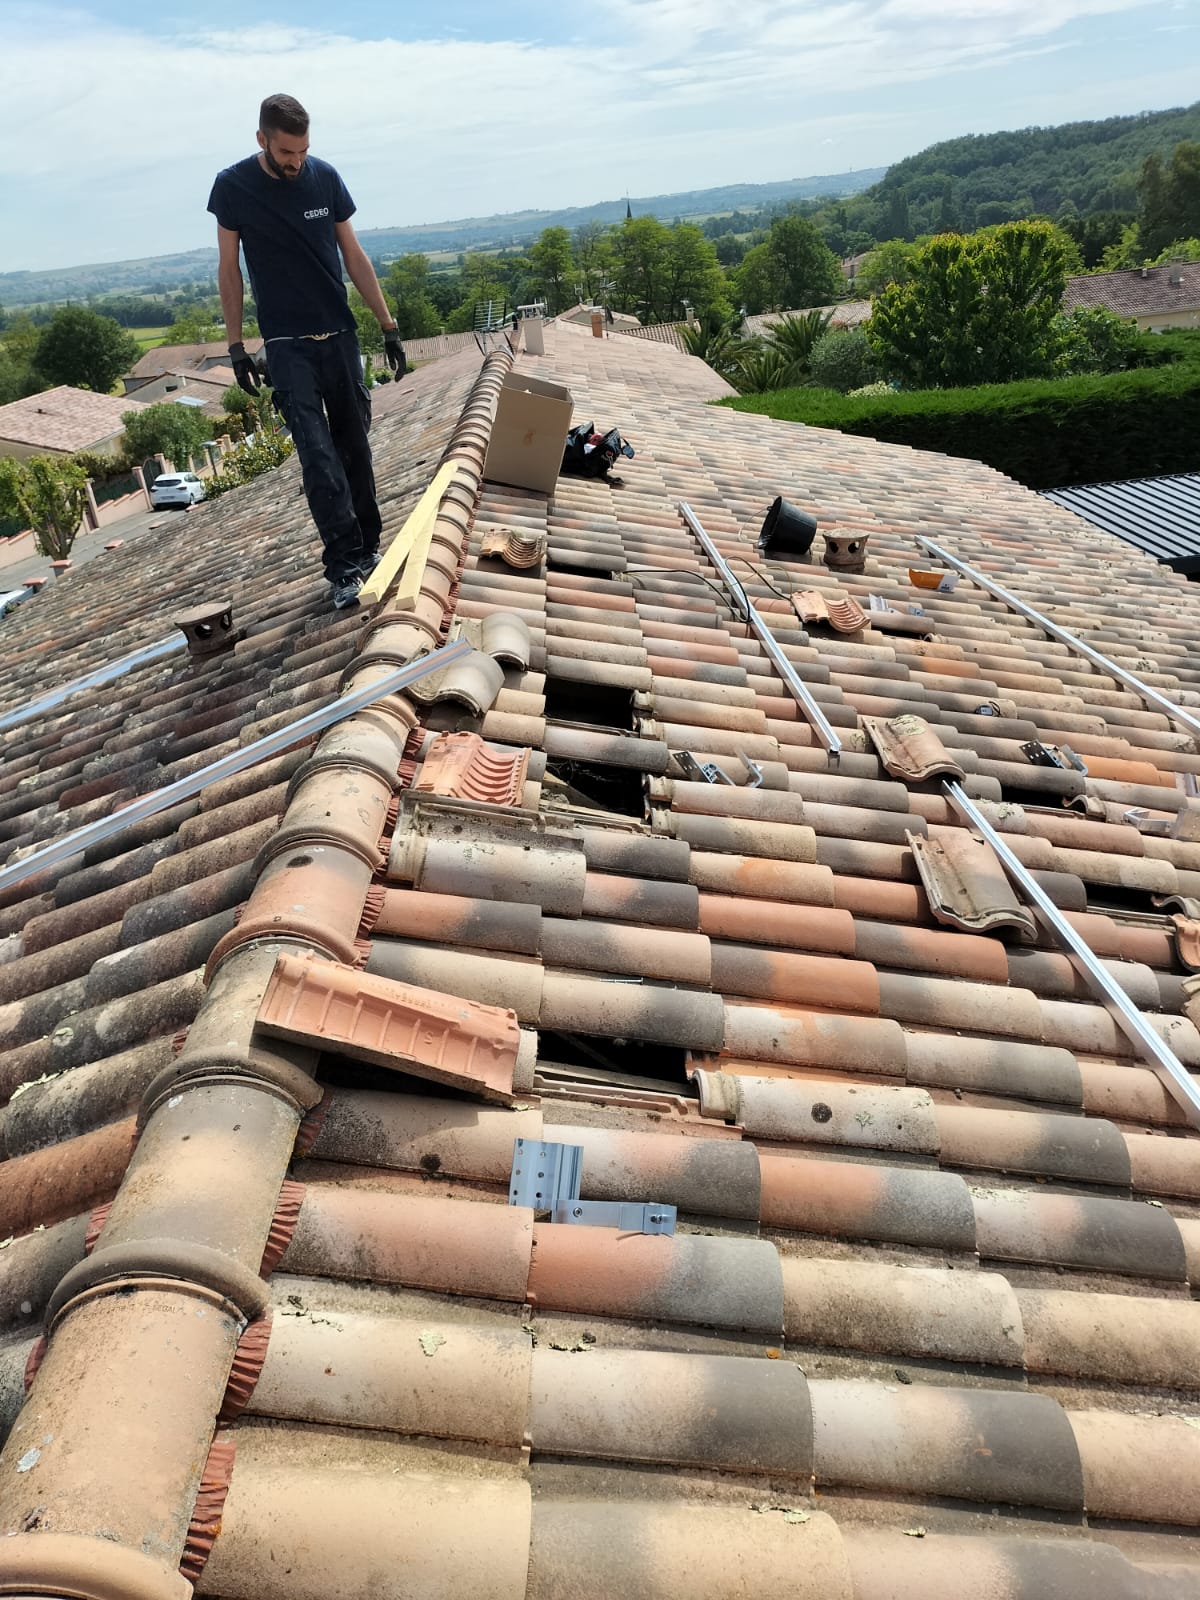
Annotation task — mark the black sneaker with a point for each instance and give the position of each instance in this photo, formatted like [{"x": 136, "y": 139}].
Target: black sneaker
[
  {"x": 368, "y": 563},
  {"x": 345, "y": 590}
]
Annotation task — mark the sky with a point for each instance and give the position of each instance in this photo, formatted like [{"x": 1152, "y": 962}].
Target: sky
[{"x": 114, "y": 118}]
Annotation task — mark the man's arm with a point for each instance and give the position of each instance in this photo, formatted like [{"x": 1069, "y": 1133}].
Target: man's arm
[
  {"x": 361, "y": 273},
  {"x": 229, "y": 282}
]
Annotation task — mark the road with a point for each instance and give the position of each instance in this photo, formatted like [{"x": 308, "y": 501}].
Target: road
[{"x": 88, "y": 546}]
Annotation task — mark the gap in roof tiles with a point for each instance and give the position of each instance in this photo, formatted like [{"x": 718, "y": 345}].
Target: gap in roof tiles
[
  {"x": 599, "y": 704},
  {"x": 633, "y": 1063},
  {"x": 591, "y": 786}
]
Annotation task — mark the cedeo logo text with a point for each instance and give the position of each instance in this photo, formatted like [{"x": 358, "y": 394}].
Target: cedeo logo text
[{"x": 321, "y": 211}]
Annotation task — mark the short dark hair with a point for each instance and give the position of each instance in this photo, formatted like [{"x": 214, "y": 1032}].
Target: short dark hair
[{"x": 280, "y": 113}]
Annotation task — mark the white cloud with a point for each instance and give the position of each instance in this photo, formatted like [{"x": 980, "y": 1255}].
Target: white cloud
[{"x": 110, "y": 135}]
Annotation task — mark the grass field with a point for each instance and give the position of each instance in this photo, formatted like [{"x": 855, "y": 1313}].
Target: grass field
[{"x": 148, "y": 338}]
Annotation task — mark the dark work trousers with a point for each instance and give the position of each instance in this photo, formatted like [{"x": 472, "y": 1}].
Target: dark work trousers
[{"x": 320, "y": 393}]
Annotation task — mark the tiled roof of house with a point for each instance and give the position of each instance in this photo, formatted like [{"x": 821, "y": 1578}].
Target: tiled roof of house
[
  {"x": 184, "y": 357},
  {"x": 845, "y": 314},
  {"x": 927, "y": 1325},
  {"x": 1159, "y": 515},
  {"x": 1142, "y": 293},
  {"x": 63, "y": 418}
]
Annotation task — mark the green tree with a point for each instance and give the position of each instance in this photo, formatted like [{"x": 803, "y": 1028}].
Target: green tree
[
  {"x": 809, "y": 273},
  {"x": 47, "y": 494},
  {"x": 174, "y": 431},
  {"x": 976, "y": 310},
  {"x": 1169, "y": 198},
  {"x": 407, "y": 287},
  {"x": 21, "y": 339},
  {"x": 593, "y": 257},
  {"x": 1096, "y": 233},
  {"x": 949, "y": 218},
  {"x": 370, "y": 334},
  {"x": 1181, "y": 250},
  {"x": 889, "y": 262},
  {"x": 693, "y": 274},
  {"x": 84, "y": 350},
  {"x": 896, "y": 218},
  {"x": 553, "y": 267},
  {"x": 481, "y": 281},
  {"x": 640, "y": 261},
  {"x": 730, "y": 249},
  {"x": 1125, "y": 252},
  {"x": 841, "y": 360},
  {"x": 758, "y": 283},
  {"x": 194, "y": 325}
]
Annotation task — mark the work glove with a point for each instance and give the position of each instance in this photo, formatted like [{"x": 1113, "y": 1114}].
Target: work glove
[
  {"x": 244, "y": 369},
  {"x": 393, "y": 352}
]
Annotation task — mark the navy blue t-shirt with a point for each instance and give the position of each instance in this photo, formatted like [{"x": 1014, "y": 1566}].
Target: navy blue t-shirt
[{"x": 287, "y": 231}]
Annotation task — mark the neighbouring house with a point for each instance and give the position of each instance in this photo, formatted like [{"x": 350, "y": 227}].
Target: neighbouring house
[
  {"x": 60, "y": 421},
  {"x": 852, "y": 266},
  {"x": 1154, "y": 297},
  {"x": 203, "y": 389},
  {"x": 170, "y": 359},
  {"x": 846, "y": 314},
  {"x": 1158, "y": 515},
  {"x": 619, "y": 321}
]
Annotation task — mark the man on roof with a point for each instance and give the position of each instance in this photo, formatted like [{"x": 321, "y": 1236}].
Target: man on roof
[{"x": 290, "y": 213}]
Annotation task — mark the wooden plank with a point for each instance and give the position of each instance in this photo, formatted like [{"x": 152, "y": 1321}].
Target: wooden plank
[{"x": 398, "y": 552}]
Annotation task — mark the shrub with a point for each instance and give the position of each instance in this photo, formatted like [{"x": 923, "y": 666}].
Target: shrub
[
  {"x": 878, "y": 387},
  {"x": 100, "y": 468},
  {"x": 165, "y": 428},
  {"x": 236, "y": 401},
  {"x": 842, "y": 360},
  {"x": 259, "y": 454},
  {"x": 1091, "y": 339},
  {"x": 1045, "y": 433}
]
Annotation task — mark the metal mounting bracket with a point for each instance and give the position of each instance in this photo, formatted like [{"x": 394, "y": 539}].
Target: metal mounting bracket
[
  {"x": 544, "y": 1174},
  {"x": 546, "y": 1177},
  {"x": 625, "y": 1215},
  {"x": 700, "y": 772}
]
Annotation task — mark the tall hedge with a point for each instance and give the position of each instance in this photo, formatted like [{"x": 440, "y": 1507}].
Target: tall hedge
[{"x": 1046, "y": 433}]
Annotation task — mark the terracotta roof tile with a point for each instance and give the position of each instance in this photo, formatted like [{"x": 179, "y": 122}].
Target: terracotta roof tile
[
  {"x": 876, "y": 1101},
  {"x": 64, "y": 419}
]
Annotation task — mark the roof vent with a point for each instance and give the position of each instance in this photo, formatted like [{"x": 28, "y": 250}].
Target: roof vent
[
  {"x": 846, "y": 553},
  {"x": 208, "y": 629},
  {"x": 1145, "y": 272}
]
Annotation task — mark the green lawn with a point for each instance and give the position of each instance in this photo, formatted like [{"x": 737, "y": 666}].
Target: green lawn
[{"x": 148, "y": 338}]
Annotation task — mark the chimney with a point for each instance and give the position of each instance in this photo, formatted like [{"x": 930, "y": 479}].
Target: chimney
[
  {"x": 1145, "y": 272},
  {"x": 1177, "y": 278}
]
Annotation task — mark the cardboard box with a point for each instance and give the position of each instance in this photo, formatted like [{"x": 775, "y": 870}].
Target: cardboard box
[{"x": 529, "y": 433}]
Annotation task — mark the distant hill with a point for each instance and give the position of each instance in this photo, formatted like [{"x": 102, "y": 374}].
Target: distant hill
[
  {"x": 519, "y": 226},
  {"x": 157, "y": 274},
  {"x": 1092, "y": 165}
]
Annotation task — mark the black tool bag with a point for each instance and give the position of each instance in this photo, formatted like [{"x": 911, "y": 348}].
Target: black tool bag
[{"x": 589, "y": 454}]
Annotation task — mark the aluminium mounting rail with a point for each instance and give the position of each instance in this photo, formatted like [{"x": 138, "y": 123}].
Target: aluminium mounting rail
[
  {"x": 237, "y": 761},
  {"x": 1072, "y": 641},
  {"x": 92, "y": 680},
  {"x": 1175, "y": 1077},
  {"x": 824, "y": 730}
]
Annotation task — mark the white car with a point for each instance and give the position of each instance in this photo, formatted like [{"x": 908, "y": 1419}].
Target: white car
[{"x": 176, "y": 489}]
